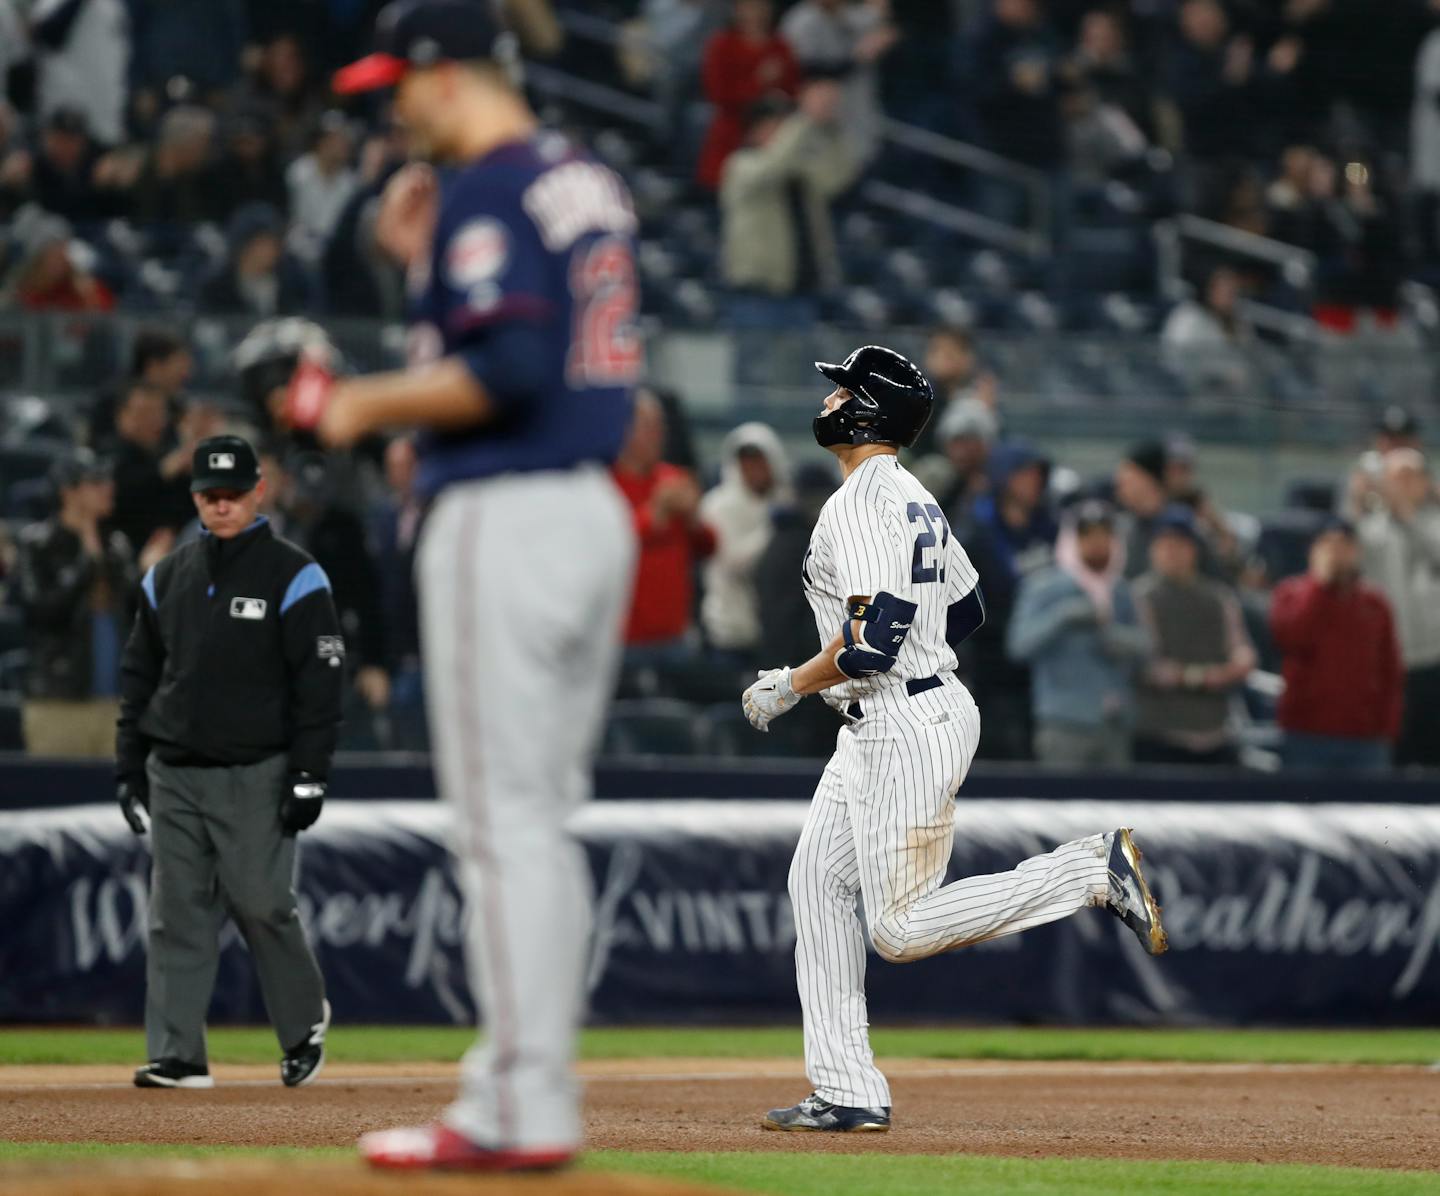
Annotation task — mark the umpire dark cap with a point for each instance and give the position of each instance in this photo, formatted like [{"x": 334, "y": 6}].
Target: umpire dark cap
[
  {"x": 224, "y": 463},
  {"x": 78, "y": 465},
  {"x": 414, "y": 34}
]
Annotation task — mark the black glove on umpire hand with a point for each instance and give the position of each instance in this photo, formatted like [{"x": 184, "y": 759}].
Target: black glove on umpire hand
[
  {"x": 300, "y": 805},
  {"x": 134, "y": 801}
]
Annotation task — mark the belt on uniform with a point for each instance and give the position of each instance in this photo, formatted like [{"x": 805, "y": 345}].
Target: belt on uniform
[{"x": 916, "y": 685}]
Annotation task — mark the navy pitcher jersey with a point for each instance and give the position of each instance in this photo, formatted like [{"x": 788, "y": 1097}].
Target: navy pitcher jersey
[{"x": 534, "y": 233}]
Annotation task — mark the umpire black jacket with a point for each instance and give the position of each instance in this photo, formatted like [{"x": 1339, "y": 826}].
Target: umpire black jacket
[{"x": 235, "y": 656}]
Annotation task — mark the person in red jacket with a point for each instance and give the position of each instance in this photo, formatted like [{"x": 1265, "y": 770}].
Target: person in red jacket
[
  {"x": 1344, "y": 682},
  {"x": 743, "y": 62},
  {"x": 665, "y": 502}
]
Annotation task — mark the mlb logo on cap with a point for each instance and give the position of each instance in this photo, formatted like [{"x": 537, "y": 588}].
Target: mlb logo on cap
[{"x": 224, "y": 463}]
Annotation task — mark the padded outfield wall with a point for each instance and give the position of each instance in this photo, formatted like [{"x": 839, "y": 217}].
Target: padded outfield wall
[{"x": 1278, "y": 913}]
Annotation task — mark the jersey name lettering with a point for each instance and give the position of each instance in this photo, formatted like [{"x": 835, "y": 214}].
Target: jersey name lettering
[{"x": 571, "y": 200}]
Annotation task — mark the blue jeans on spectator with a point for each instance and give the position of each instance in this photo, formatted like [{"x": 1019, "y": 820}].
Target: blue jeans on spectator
[{"x": 1316, "y": 753}]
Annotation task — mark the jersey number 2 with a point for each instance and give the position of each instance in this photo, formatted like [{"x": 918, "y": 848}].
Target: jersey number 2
[
  {"x": 605, "y": 348},
  {"x": 929, "y": 515}
]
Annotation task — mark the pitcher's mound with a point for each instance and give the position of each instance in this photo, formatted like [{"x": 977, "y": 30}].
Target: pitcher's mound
[{"x": 249, "y": 1177}]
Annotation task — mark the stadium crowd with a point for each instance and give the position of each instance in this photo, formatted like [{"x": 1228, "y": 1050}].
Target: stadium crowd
[
  {"x": 165, "y": 156},
  {"x": 1129, "y": 616}
]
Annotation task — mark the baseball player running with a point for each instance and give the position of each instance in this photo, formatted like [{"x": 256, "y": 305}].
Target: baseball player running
[
  {"x": 891, "y": 590},
  {"x": 523, "y": 354}
]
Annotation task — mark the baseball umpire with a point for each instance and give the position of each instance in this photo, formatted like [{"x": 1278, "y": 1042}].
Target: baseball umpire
[{"x": 230, "y": 698}]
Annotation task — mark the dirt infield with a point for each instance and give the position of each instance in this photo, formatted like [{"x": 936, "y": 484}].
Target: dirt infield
[
  {"x": 243, "y": 1177},
  {"x": 1357, "y": 1116}
]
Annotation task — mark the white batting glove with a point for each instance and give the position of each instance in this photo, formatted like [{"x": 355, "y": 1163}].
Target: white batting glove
[{"x": 770, "y": 697}]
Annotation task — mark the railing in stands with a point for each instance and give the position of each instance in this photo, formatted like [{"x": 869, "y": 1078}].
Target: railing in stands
[{"x": 1032, "y": 239}]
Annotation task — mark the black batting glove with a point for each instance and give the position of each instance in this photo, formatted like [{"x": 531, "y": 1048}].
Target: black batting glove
[
  {"x": 300, "y": 803},
  {"x": 134, "y": 799}
]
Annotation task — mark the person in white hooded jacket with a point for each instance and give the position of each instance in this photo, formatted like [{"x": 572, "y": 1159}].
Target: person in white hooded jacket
[{"x": 754, "y": 477}]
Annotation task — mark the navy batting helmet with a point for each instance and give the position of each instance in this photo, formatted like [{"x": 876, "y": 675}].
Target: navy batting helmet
[{"x": 890, "y": 400}]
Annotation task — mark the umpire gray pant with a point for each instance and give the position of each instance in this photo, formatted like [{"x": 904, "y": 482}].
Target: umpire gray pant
[{"x": 218, "y": 848}]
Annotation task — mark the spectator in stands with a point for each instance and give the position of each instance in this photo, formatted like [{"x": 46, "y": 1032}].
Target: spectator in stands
[
  {"x": 1289, "y": 195},
  {"x": 321, "y": 183},
  {"x": 1222, "y": 93},
  {"x": 1201, "y": 652},
  {"x": 159, "y": 360},
  {"x": 665, "y": 502},
  {"x": 1205, "y": 343},
  {"x": 778, "y": 239},
  {"x": 1140, "y": 494},
  {"x": 1017, "y": 60},
  {"x": 845, "y": 40},
  {"x": 1102, "y": 63},
  {"x": 312, "y": 514},
  {"x": 74, "y": 584},
  {"x": 258, "y": 278},
  {"x": 178, "y": 186},
  {"x": 251, "y": 168},
  {"x": 955, "y": 373},
  {"x": 1357, "y": 237},
  {"x": 958, "y": 473},
  {"x": 1010, "y": 534},
  {"x": 1401, "y": 553},
  {"x": 49, "y": 274},
  {"x": 743, "y": 62},
  {"x": 152, "y": 472},
  {"x": 359, "y": 278},
  {"x": 82, "y": 58},
  {"x": 754, "y": 477},
  {"x": 394, "y": 532},
  {"x": 1344, "y": 681},
  {"x": 787, "y": 630},
  {"x": 1182, "y": 485},
  {"x": 282, "y": 86},
  {"x": 63, "y": 179},
  {"x": 1395, "y": 428},
  {"x": 1075, "y": 626},
  {"x": 674, "y": 35}
]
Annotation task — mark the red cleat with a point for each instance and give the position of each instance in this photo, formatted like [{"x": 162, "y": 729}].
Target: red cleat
[{"x": 436, "y": 1147}]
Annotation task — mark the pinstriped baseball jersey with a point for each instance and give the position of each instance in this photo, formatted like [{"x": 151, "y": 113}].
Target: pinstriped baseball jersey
[{"x": 882, "y": 530}]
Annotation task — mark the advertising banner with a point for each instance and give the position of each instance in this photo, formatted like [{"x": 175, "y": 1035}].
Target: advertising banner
[{"x": 1277, "y": 914}]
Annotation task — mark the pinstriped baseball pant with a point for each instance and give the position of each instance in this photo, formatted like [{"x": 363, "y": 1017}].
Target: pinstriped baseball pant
[{"x": 881, "y": 825}]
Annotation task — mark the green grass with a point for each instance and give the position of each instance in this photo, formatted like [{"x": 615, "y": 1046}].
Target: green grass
[
  {"x": 406, "y": 1044},
  {"x": 893, "y": 1175}
]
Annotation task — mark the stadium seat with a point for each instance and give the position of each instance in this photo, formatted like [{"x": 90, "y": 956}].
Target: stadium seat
[{"x": 652, "y": 726}]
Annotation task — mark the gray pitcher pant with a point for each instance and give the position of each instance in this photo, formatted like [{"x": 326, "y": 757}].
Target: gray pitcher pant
[{"x": 218, "y": 848}]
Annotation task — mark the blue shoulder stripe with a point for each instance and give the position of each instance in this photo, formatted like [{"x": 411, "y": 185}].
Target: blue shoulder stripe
[
  {"x": 147, "y": 583},
  {"x": 307, "y": 581}
]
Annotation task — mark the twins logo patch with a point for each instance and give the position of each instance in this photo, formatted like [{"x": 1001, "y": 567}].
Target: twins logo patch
[
  {"x": 476, "y": 254},
  {"x": 247, "y": 608},
  {"x": 331, "y": 648}
]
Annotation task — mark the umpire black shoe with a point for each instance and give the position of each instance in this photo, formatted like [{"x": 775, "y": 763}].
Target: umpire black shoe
[
  {"x": 815, "y": 1115},
  {"x": 302, "y": 1063},
  {"x": 171, "y": 1073},
  {"x": 1130, "y": 898}
]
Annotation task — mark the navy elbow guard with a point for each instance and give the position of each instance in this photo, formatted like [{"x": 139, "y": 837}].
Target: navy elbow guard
[
  {"x": 965, "y": 618},
  {"x": 884, "y": 623}
]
